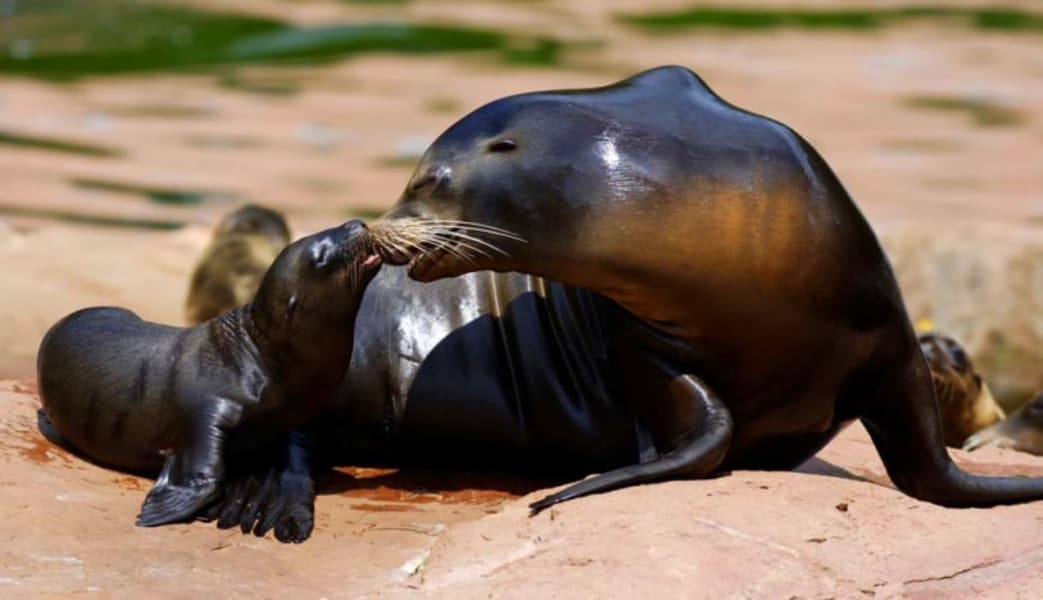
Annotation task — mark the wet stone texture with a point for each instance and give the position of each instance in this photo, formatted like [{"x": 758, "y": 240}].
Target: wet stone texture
[{"x": 833, "y": 529}]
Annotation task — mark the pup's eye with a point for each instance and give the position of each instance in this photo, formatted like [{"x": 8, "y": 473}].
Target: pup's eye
[{"x": 502, "y": 146}]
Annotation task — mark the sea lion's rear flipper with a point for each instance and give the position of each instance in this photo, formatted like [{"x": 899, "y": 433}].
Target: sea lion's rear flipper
[
  {"x": 168, "y": 502},
  {"x": 191, "y": 477},
  {"x": 696, "y": 452},
  {"x": 905, "y": 425}
]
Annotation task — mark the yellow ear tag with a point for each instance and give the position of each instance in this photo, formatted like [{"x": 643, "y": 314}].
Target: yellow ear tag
[{"x": 924, "y": 325}]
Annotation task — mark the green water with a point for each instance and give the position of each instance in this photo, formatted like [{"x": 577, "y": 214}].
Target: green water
[
  {"x": 67, "y": 39},
  {"x": 158, "y": 195},
  {"x": 993, "y": 18},
  {"x": 982, "y": 112},
  {"x": 83, "y": 219},
  {"x": 53, "y": 144},
  {"x": 377, "y": 2}
]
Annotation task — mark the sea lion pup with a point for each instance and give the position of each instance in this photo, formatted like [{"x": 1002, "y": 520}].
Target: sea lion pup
[
  {"x": 125, "y": 392},
  {"x": 964, "y": 400},
  {"x": 1022, "y": 430},
  {"x": 243, "y": 246}
]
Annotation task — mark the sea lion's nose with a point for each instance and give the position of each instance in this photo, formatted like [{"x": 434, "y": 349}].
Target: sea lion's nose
[
  {"x": 355, "y": 227},
  {"x": 434, "y": 177}
]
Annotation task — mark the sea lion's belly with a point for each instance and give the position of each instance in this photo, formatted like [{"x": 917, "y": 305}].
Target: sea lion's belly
[
  {"x": 484, "y": 368},
  {"x": 791, "y": 406}
]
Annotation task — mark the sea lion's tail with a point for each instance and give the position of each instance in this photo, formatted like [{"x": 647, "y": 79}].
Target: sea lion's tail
[{"x": 903, "y": 420}]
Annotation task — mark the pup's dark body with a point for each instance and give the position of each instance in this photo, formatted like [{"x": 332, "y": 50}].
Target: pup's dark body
[{"x": 140, "y": 396}]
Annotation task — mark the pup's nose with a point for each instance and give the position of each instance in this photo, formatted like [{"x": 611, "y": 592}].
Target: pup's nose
[{"x": 355, "y": 227}]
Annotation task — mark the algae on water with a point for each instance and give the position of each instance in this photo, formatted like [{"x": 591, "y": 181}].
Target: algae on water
[{"x": 67, "y": 39}]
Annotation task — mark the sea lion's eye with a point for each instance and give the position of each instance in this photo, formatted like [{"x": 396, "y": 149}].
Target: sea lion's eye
[{"x": 502, "y": 146}]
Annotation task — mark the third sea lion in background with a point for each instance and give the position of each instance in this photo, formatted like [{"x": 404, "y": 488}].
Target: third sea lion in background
[
  {"x": 243, "y": 246},
  {"x": 964, "y": 400}
]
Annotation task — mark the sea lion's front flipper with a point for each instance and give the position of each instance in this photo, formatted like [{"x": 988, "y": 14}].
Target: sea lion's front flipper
[
  {"x": 276, "y": 492},
  {"x": 191, "y": 476},
  {"x": 695, "y": 452},
  {"x": 168, "y": 502}
]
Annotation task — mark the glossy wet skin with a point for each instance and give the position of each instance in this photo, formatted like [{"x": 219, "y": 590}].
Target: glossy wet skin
[
  {"x": 769, "y": 305},
  {"x": 119, "y": 390},
  {"x": 965, "y": 403},
  {"x": 592, "y": 191},
  {"x": 591, "y": 188},
  {"x": 323, "y": 275}
]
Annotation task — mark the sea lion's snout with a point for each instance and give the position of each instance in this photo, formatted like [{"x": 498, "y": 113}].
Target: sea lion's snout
[
  {"x": 351, "y": 243},
  {"x": 359, "y": 244},
  {"x": 355, "y": 232},
  {"x": 393, "y": 246}
]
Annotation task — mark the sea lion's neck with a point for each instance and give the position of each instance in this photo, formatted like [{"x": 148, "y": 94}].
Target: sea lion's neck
[{"x": 301, "y": 345}]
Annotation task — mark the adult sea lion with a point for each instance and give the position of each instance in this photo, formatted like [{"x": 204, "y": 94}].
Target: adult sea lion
[
  {"x": 227, "y": 276},
  {"x": 964, "y": 401},
  {"x": 702, "y": 295},
  {"x": 1022, "y": 430},
  {"x": 124, "y": 391}
]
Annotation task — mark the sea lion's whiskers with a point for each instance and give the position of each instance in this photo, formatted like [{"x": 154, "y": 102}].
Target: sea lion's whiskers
[
  {"x": 417, "y": 224},
  {"x": 406, "y": 243},
  {"x": 423, "y": 236},
  {"x": 390, "y": 239},
  {"x": 459, "y": 236},
  {"x": 456, "y": 249},
  {"x": 454, "y": 241},
  {"x": 447, "y": 240},
  {"x": 477, "y": 227}
]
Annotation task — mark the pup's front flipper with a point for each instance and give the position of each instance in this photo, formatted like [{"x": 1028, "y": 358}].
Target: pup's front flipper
[
  {"x": 168, "y": 502},
  {"x": 192, "y": 476},
  {"x": 276, "y": 492}
]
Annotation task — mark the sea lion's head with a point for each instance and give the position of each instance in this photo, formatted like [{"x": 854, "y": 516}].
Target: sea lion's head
[
  {"x": 1022, "y": 430},
  {"x": 245, "y": 243},
  {"x": 964, "y": 400},
  {"x": 310, "y": 296},
  {"x": 579, "y": 174},
  {"x": 254, "y": 220}
]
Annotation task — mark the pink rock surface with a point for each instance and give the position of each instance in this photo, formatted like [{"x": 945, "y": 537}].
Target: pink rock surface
[{"x": 834, "y": 529}]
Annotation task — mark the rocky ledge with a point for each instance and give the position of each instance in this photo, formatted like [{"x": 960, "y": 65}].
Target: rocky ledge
[{"x": 833, "y": 529}]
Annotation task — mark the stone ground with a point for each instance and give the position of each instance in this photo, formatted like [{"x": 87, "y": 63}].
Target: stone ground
[
  {"x": 833, "y": 529},
  {"x": 958, "y": 203}
]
